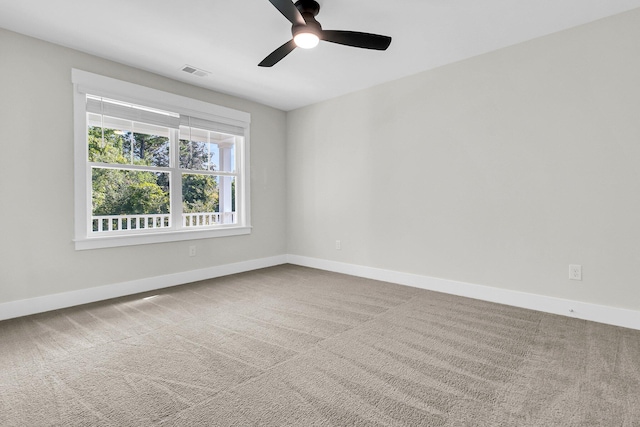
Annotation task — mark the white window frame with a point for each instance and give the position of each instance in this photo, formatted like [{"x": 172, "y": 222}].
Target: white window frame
[{"x": 88, "y": 83}]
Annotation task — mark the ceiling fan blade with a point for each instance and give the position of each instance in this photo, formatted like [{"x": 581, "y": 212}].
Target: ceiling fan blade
[
  {"x": 277, "y": 55},
  {"x": 289, "y": 10},
  {"x": 356, "y": 39}
]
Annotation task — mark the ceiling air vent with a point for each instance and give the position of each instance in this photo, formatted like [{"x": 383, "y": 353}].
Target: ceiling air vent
[{"x": 195, "y": 71}]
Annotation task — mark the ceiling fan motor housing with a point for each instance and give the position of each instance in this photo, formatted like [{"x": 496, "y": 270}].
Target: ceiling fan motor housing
[
  {"x": 308, "y": 6},
  {"x": 308, "y": 9},
  {"x": 307, "y": 32}
]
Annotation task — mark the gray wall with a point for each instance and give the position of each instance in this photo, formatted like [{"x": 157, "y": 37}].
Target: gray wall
[
  {"x": 500, "y": 170},
  {"x": 37, "y": 256}
]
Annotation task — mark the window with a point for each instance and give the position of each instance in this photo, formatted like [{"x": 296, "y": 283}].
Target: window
[{"x": 152, "y": 167}]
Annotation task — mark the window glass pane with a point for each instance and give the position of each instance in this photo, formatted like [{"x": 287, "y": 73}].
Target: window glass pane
[
  {"x": 200, "y": 193},
  {"x": 206, "y": 150},
  {"x": 140, "y": 198},
  {"x": 223, "y": 152},
  {"x": 194, "y": 154},
  {"x": 118, "y": 141},
  {"x": 109, "y": 144},
  {"x": 150, "y": 145},
  {"x": 207, "y": 200}
]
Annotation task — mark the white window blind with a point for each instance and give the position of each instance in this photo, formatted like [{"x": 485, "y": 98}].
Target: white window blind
[
  {"x": 136, "y": 113},
  {"x": 198, "y": 123}
]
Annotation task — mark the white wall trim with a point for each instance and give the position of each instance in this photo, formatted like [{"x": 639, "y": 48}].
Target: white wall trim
[
  {"x": 581, "y": 310},
  {"x": 137, "y": 94},
  {"x": 25, "y": 307}
]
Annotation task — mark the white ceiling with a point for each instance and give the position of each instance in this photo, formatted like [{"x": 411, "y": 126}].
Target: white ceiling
[{"x": 229, "y": 38}]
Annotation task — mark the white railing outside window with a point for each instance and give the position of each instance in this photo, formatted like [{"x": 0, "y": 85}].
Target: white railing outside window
[
  {"x": 105, "y": 223},
  {"x": 124, "y": 223},
  {"x": 203, "y": 219}
]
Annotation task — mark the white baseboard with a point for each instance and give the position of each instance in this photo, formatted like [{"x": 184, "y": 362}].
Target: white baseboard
[
  {"x": 581, "y": 310},
  {"x": 41, "y": 304}
]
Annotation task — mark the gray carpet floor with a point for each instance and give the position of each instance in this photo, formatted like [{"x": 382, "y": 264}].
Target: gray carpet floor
[{"x": 293, "y": 346}]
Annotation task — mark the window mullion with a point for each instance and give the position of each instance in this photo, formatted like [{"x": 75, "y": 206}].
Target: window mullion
[
  {"x": 175, "y": 189},
  {"x": 126, "y": 166}
]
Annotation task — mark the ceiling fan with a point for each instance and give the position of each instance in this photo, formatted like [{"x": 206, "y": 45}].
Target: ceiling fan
[{"x": 307, "y": 32}]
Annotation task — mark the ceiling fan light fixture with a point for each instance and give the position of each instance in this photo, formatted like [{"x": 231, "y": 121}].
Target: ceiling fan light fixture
[
  {"x": 307, "y": 32},
  {"x": 306, "y": 40}
]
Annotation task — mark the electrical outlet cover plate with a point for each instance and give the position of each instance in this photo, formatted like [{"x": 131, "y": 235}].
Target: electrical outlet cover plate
[{"x": 575, "y": 272}]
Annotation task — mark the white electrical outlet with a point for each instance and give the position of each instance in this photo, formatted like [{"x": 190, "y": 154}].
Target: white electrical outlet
[
  {"x": 192, "y": 251},
  {"x": 338, "y": 245},
  {"x": 575, "y": 272}
]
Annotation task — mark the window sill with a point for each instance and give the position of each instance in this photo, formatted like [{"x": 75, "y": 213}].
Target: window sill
[{"x": 160, "y": 237}]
